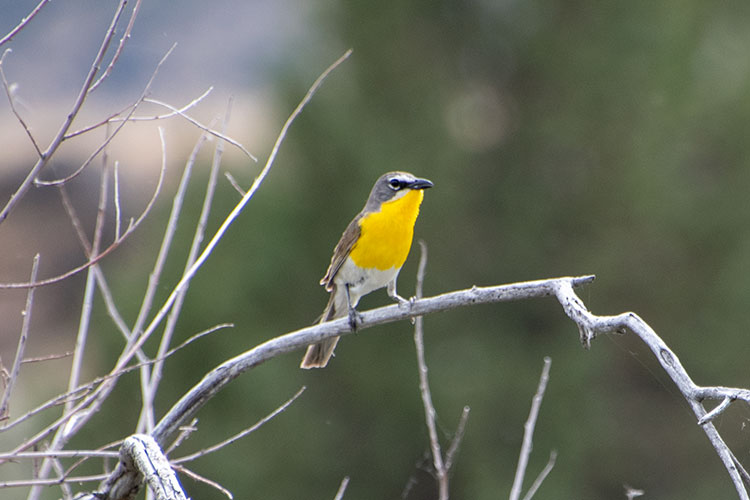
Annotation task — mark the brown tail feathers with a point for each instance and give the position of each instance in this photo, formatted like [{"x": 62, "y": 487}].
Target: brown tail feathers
[{"x": 317, "y": 355}]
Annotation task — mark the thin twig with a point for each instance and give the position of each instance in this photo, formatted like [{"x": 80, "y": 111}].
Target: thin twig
[
  {"x": 120, "y": 46},
  {"x": 103, "y": 286},
  {"x": 450, "y": 455},
  {"x": 234, "y": 183},
  {"x": 21, "y": 349},
  {"x": 200, "y": 230},
  {"x": 58, "y": 139},
  {"x": 430, "y": 414},
  {"x": 204, "y": 128},
  {"x": 48, "y": 357},
  {"x": 76, "y": 416},
  {"x": 35, "y": 455},
  {"x": 192, "y": 339},
  {"x": 342, "y": 488},
  {"x": 146, "y": 420},
  {"x": 55, "y": 481},
  {"x": 118, "y": 208},
  {"x": 110, "y": 137},
  {"x": 528, "y": 432},
  {"x": 115, "y": 117},
  {"x": 542, "y": 476},
  {"x": 83, "y": 390},
  {"x": 715, "y": 412},
  {"x": 260, "y": 423},
  {"x": 75, "y": 221},
  {"x": 26, "y": 20},
  {"x": 201, "y": 479},
  {"x": 166, "y": 242},
  {"x": 67, "y": 493},
  {"x": 187, "y": 276},
  {"x": 185, "y": 432},
  {"x": 88, "y": 294},
  {"x": 131, "y": 228},
  {"x": 12, "y": 102}
]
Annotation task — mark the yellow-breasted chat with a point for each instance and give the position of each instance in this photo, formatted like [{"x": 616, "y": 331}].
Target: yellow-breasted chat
[{"x": 370, "y": 253}]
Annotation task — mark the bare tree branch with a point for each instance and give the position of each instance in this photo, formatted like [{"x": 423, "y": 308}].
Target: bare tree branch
[
  {"x": 220, "y": 376},
  {"x": 631, "y": 493},
  {"x": 234, "y": 183},
  {"x": 57, "y": 140},
  {"x": 152, "y": 384},
  {"x": 21, "y": 349},
  {"x": 26, "y": 20},
  {"x": 120, "y": 46},
  {"x": 110, "y": 136},
  {"x": 542, "y": 476},
  {"x": 430, "y": 414},
  {"x": 115, "y": 117},
  {"x": 450, "y": 455},
  {"x": 590, "y": 325},
  {"x": 85, "y": 389},
  {"x": 528, "y": 432},
  {"x": 55, "y": 481},
  {"x": 34, "y": 455},
  {"x": 131, "y": 227},
  {"x": 205, "y": 128},
  {"x": 260, "y": 423},
  {"x": 342, "y": 488},
  {"x": 12, "y": 102},
  {"x": 188, "y": 275},
  {"x": 88, "y": 294},
  {"x": 146, "y": 421},
  {"x": 200, "y": 479},
  {"x": 142, "y": 457}
]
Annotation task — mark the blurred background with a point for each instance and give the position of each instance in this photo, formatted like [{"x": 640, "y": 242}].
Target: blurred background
[{"x": 563, "y": 138}]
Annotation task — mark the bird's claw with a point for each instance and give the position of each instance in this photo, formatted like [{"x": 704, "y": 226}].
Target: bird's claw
[
  {"x": 402, "y": 301},
  {"x": 355, "y": 319}
]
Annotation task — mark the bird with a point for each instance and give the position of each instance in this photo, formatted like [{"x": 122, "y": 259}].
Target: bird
[{"x": 370, "y": 254}]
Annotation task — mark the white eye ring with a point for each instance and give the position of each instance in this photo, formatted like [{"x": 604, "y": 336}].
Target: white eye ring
[{"x": 394, "y": 184}]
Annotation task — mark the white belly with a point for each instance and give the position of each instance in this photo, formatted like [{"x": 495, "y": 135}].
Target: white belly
[{"x": 362, "y": 281}]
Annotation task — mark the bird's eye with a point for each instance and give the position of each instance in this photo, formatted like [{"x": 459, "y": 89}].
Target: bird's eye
[{"x": 394, "y": 184}]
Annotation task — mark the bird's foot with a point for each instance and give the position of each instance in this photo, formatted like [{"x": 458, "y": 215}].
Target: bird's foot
[
  {"x": 402, "y": 301},
  {"x": 355, "y": 318}
]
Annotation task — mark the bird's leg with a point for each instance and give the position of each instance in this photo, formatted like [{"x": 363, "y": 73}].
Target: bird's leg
[
  {"x": 354, "y": 316},
  {"x": 394, "y": 295}
]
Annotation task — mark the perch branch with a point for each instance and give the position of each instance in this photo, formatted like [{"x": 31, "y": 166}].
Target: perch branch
[
  {"x": 142, "y": 457},
  {"x": 591, "y": 325},
  {"x": 183, "y": 411}
]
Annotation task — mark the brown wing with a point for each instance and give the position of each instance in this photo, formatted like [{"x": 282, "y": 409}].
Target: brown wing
[{"x": 342, "y": 250}]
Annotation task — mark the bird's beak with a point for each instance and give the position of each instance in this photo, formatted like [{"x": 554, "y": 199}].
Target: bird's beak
[{"x": 420, "y": 184}]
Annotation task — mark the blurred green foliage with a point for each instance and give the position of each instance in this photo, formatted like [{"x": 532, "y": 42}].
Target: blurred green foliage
[{"x": 563, "y": 138}]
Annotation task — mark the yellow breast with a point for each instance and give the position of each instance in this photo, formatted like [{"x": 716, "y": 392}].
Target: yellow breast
[{"x": 385, "y": 237}]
